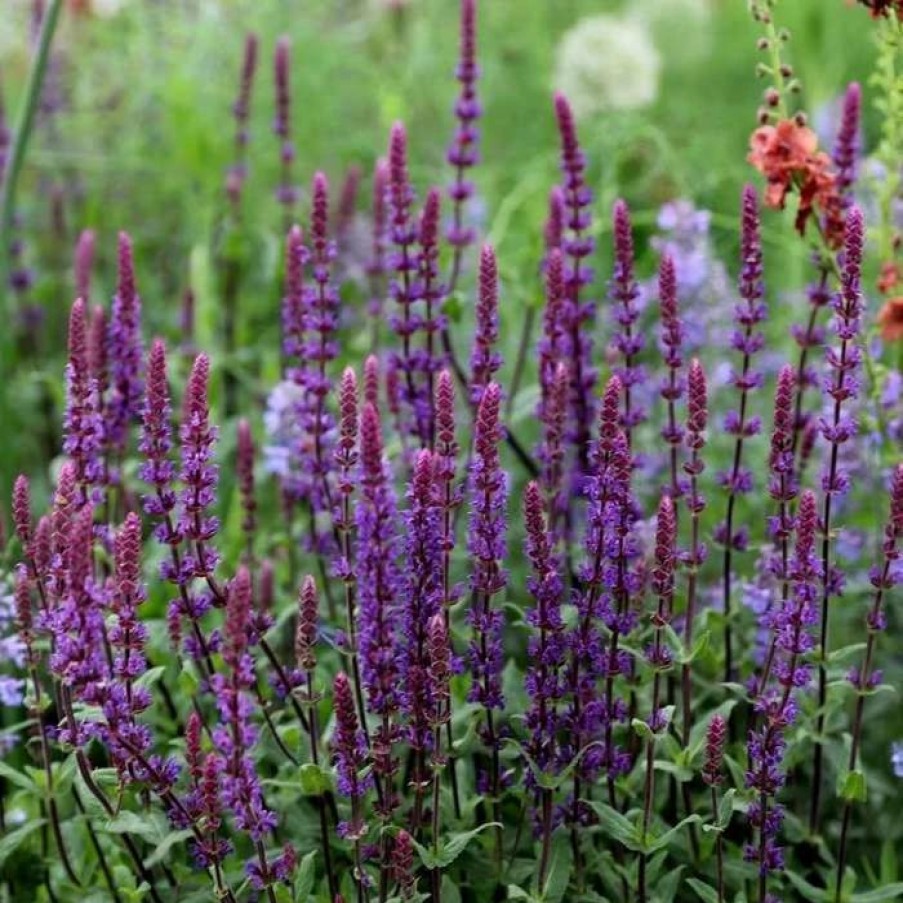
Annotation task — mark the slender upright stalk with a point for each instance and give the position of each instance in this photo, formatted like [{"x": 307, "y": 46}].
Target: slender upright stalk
[
  {"x": 747, "y": 340},
  {"x": 837, "y": 429},
  {"x": 865, "y": 678},
  {"x": 22, "y": 133}
]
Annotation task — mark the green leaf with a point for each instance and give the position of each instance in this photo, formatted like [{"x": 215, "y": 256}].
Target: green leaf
[
  {"x": 132, "y": 823},
  {"x": 150, "y": 677},
  {"x": 449, "y": 852},
  {"x": 851, "y": 786},
  {"x": 314, "y": 780},
  {"x": 726, "y": 808},
  {"x": 880, "y": 894},
  {"x": 12, "y": 841},
  {"x": 807, "y": 890},
  {"x": 165, "y": 845},
  {"x": 515, "y": 892},
  {"x": 659, "y": 843},
  {"x": 617, "y": 825},
  {"x": 641, "y": 728},
  {"x": 558, "y": 876},
  {"x": 304, "y": 881},
  {"x": 703, "y": 891},
  {"x": 16, "y": 777}
]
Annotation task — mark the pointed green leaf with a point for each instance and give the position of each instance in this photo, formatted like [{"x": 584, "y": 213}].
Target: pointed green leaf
[
  {"x": 168, "y": 842},
  {"x": 661, "y": 842},
  {"x": 703, "y": 891},
  {"x": 617, "y": 825},
  {"x": 881, "y": 894},
  {"x": 11, "y": 842}
]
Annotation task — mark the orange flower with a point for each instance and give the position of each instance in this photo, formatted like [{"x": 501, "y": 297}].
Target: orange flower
[
  {"x": 890, "y": 277},
  {"x": 787, "y": 155},
  {"x": 890, "y": 319}
]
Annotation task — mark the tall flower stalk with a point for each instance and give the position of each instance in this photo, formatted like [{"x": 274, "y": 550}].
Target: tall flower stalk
[
  {"x": 837, "y": 428},
  {"x": 488, "y": 491},
  {"x": 866, "y": 677},
  {"x": 747, "y": 339}
]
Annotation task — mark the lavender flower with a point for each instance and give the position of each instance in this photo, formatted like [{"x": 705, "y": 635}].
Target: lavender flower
[
  {"x": 838, "y": 427},
  {"x": 432, "y": 293},
  {"x": 463, "y": 154},
  {"x": 673, "y": 386},
  {"x": 155, "y": 445},
  {"x": 83, "y": 263},
  {"x": 376, "y": 268},
  {"x": 234, "y": 737},
  {"x": 715, "y": 739},
  {"x": 845, "y": 153},
  {"x": 125, "y": 353},
  {"x": 624, "y": 292},
  {"x": 241, "y": 110},
  {"x": 350, "y": 753},
  {"x": 421, "y": 595},
  {"x": 82, "y": 424},
  {"x": 547, "y": 645},
  {"x": 485, "y": 361},
  {"x": 378, "y": 584},
  {"x": 748, "y": 340},
  {"x": 488, "y": 489},
  {"x": 577, "y": 247},
  {"x": 286, "y": 193},
  {"x": 792, "y": 626}
]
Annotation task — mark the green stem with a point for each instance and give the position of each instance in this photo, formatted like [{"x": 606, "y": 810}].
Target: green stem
[{"x": 23, "y": 129}]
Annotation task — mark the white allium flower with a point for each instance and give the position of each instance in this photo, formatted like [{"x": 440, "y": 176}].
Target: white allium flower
[{"x": 607, "y": 63}]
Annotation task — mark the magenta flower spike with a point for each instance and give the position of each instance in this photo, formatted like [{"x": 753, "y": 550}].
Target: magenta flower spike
[
  {"x": 125, "y": 354},
  {"x": 485, "y": 360}
]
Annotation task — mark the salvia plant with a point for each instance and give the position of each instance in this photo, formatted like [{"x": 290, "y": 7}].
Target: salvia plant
[{"x": 618, "y": 650}]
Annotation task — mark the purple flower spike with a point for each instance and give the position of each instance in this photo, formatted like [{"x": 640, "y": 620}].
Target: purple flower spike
[
  {"x": 97, "y": 349},
  {"x": 463, "y": 154},
  {"x": 488, "y": 489},
  {"x": 553, "y": 232},
  {"x": 378, "y": 587},
  {"x": 306, "y": 631},
  {"x": 431, "y": 292},
  {"x": 748, "y": 340},
  {"x": 625, "y": 291},
  {"x": 547, "y": 646},
  {"x": 22, "y": 512},
  {"x": 349, "y": 748},
  {"x": 294, "y": 302},
  {"x": 421, "y": 597},
  {"x": 577, "y": 246},
  {"x": 673, "y": 386},
  {"x": 321, "y": 314},
  {"x": 846, "y": 147},
  {"x": 403, "y": 864},
  {"x": 236, "y": 735},
  {"x": 241, "y": 110},
  {"x": 286, "y": 193},
  {"x": 83, "y": 427},
  {"x": 376, "y": 268},
  {"x": 485, "y": 361},
  {"x": 783, "y": 484},
  {"x": 83, "y": 264},
  {"x": 715, "y": 739},
  {"x": 125, "y": 353},
  {"x": 156, "y": 442}
]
